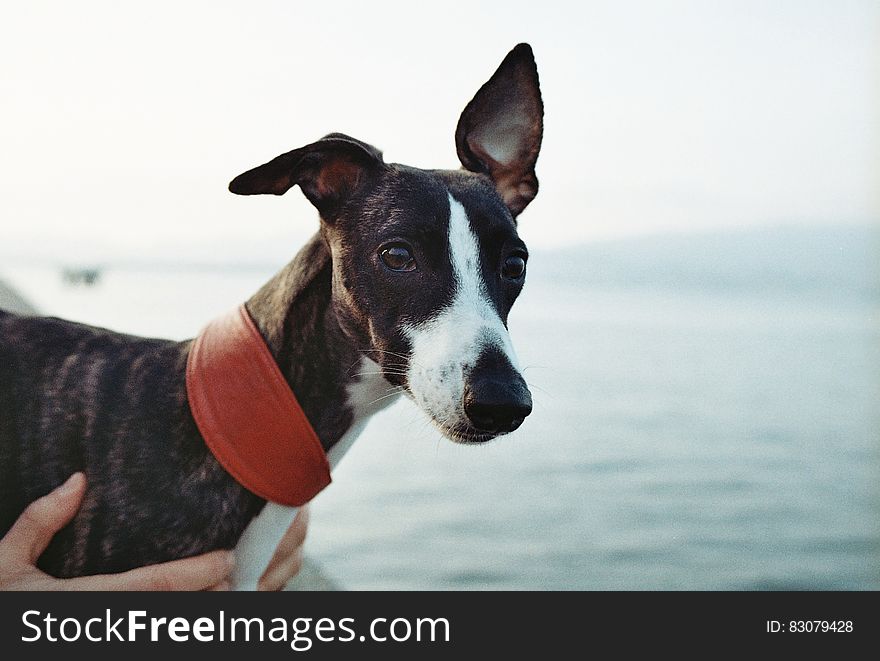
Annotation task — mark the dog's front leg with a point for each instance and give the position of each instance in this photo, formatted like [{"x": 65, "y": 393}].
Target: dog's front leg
[{"x": 258, "y": 543}]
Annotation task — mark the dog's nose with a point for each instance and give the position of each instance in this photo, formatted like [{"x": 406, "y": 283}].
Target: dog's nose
[{"x": 497, "y": 407}]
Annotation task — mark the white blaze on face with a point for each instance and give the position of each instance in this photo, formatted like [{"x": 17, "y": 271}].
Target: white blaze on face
[{"x": 445, "y": 348}]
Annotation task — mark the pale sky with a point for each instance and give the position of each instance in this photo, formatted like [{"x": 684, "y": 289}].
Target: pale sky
[{"x": 122, "y": 123}]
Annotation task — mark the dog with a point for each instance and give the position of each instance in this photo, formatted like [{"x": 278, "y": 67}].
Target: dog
[{"x": 405, "y": 289}]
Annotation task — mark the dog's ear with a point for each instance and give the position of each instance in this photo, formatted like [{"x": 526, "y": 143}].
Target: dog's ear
[
  {"x": 499, "y": 132},
  {"x": 328, "y": 172}
]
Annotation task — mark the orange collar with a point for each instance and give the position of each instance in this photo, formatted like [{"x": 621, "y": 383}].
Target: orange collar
[{"x": 249, "y": 416}]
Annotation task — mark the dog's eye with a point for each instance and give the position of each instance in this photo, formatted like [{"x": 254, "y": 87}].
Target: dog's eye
[
  {"x": 397, "y": 258},
  {"x": 514, "y": 266}
]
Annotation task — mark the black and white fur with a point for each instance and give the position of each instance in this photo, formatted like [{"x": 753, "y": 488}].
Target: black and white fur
[{"x": 405, "y": 289}]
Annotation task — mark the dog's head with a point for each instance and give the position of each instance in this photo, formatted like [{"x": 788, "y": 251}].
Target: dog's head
[{"x": 427, "y": 263}]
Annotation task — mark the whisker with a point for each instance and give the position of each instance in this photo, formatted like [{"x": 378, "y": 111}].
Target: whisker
[
  {"x": 390, "y": 353},
  {"x": 388, "y": 368},
  {"x": 543, "y": 390},
  {"x": 405, "y": 357},
  {"x": 379, "y": 399}
]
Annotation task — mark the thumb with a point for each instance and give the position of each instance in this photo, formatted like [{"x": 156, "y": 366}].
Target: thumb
[{"x": 31, "y": 533}]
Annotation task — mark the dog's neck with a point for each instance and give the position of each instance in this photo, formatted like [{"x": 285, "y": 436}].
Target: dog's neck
[{"x": 337, "y": 387}]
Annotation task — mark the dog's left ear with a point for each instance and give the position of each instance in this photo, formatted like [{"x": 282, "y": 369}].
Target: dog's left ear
[
  {"x": 328, "y": 171},
  {"x": 499, "y": 132}
]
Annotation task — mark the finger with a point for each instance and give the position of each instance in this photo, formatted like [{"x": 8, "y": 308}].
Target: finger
[
  {"x": 284, "y": 564},
  {"x": 196, "y": 573},
  {"x": 34, "y": 529},
  {"x": 295, "y": 536},
  {"x": 279, "y": 575}
]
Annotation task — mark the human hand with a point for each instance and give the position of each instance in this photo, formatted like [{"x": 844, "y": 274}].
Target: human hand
[{"x": 31, "y": 533}]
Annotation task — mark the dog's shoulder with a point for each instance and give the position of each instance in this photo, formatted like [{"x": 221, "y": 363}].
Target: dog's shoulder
[
  {"x": 46, "y": 344},
  {"x": 32, "y": 330}
]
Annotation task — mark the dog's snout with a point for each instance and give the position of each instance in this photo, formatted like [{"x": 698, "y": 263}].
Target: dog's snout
[{"x": 497, "y": 406}]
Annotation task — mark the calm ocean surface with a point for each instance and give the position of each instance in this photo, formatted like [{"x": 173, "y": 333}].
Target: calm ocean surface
[{"x": 684, "y": 437}]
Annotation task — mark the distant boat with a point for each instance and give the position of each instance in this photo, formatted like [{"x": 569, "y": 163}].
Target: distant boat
[{"x": 81, "y": 276}]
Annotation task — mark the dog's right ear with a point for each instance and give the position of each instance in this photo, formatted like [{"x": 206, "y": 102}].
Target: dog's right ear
[
  {"x": 499, "y": 132},
  {"x": 328, "y": 172}
]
